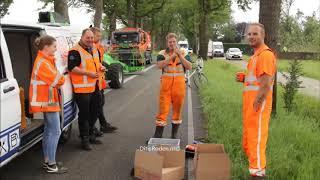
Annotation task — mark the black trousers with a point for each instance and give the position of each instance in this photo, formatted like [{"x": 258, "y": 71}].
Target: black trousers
[
  {"x": 101, "y": 117},
  {"x": 88, "y": 104}
]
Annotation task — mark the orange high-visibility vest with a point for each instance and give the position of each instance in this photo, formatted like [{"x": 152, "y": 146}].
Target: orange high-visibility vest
[
  {"x": 90, "y": 63},
  {"x": 45, "y": 79},
  {"x": 100, "y": 48},
  {"x": 251, "y": 82},
  {"x": 102, "y": 81},
  {"x": 174, "y": 68}
]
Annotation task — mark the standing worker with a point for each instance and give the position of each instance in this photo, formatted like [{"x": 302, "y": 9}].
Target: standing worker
[
  {"x": 84, "y": 67},
  {"x": 105, "y": 127},
  {"x": 257, "y": 99},
  {"x": 173, "y": 62},
  {"x": 43, "y": 93}
]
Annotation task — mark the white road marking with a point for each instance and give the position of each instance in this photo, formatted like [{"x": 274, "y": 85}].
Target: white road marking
[{"x": 190, "y": 133}]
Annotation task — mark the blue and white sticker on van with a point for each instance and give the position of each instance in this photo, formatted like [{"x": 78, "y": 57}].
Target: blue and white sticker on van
[
  {"x": 9, "y": 142},
  {"x": 70, "y": 112}
]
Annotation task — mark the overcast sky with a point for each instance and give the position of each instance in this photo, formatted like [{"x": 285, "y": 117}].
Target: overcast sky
[{"x": 27, "y": 11}]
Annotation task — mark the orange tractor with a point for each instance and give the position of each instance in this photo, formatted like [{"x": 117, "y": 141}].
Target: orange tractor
[{"x": 132, "y": 47}]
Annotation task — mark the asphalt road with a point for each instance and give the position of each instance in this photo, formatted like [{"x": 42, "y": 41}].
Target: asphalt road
[{"x": 132, "y": 109}]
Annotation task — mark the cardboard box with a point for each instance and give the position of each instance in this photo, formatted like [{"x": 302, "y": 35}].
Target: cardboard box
[
  {"x": 161, "y": 165},
  {"x": 211, "y": 162}
]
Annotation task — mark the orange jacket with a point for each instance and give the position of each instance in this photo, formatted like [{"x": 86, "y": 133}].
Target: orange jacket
[
  {"x": 90, "y": 63},
  {"x": 100, "y": 48},
  {"x": 102, "y": 81},
  {"x": 45, "y": 79}
]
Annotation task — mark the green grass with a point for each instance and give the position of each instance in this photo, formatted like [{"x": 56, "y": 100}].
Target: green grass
[
  {"x": 310, "y": 68},
  {"x": 293, "y": 150}
]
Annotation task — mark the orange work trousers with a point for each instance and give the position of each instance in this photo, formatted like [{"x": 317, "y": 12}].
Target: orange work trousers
[
  {"x": 172, "y": 91},
  {"x": 255, "y": 131}
]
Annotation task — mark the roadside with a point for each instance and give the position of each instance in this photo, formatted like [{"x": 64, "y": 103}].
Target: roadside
[
  {"x": 132, "y": 109},
  {"x": 293, "y": 143},
  {"x": 311, "y": 87}
]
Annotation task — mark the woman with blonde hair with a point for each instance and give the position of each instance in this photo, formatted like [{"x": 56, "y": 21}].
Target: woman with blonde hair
[{"x": 43, "y": 95}]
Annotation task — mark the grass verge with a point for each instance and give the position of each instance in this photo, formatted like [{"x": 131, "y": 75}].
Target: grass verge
[
  {"x": 310, "y": 68},
  {"x": 293, "y": 150}
]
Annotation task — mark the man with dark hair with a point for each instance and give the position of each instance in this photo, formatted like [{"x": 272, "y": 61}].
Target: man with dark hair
[
  {"x": 84, "y": 67},
  {"x": 105, "y": 127}
]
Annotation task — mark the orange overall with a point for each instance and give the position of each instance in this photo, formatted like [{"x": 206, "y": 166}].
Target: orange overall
[
  {"x": 256, "y": 123},
  {"x": 172, "y": 91}
]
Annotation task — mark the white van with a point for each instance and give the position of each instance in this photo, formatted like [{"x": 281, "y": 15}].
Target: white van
[
  {"x": 215, "y": 48},
  {"x": 185, "y": 45},
  {"x": 20, "y": 130}
]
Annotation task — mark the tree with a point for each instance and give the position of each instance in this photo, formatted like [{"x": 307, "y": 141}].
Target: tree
[
  {"x": 269, "y": 16},
  {"x": 60, "y": 7},
  {"x": 98, "y": 13},
  {"x": 4, "y": 7},
  {"x": 207, "y": 7}
]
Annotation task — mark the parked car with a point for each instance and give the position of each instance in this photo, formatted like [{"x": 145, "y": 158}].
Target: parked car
[{"x": 234, "y": 53}]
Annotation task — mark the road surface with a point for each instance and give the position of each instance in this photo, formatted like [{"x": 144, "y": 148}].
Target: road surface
[{"x": 132, "y": 109}]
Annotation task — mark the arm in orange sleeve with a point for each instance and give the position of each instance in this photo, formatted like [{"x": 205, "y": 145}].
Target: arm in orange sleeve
[
  {"x": 50, "y": 75},
  {"x": 266, "y": 64}
]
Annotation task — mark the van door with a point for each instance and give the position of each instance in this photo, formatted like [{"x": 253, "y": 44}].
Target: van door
[
  {"x": 10, "y": 120},
  {"x": 69, "y": 110},
  {"x": 69, "y": 106}
]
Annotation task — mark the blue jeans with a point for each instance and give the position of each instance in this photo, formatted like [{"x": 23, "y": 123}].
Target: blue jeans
[{"x": 51, "y": 136}]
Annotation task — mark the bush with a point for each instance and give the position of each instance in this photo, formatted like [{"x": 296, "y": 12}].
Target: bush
[{"x": 292, "y": 84}]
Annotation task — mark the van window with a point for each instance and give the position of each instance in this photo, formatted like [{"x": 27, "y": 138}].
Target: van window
[{"x": 2, "y": 70}]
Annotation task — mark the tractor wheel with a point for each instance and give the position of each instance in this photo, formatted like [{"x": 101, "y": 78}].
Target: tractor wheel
[{"x": 115, "y": 75}]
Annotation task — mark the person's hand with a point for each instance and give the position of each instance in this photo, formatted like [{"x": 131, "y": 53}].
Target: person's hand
[
  {"x": 177, "y": 52},
  {"x": 93, "y": 74},
  {"x": 257, "y": 104},
  {"x": 238, "y": 79},
  {"x": 102, "y": 68},
  {"x": 173, "y": 56},
  {"x": 240, "y": 76}
]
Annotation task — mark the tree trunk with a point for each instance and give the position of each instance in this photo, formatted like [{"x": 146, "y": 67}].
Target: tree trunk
[
  {"x": 203, "y": 30},
  {"x": 130, "y": 13},
  {"x": 269, "y": 16},
  {"x": 61, "y": 7},
  {"x": 135, "y": 15},
  {"x": 98, "y": 13},
  {"x": 113, "y": 24}
]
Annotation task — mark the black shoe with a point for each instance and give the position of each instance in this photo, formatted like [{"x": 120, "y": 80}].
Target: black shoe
[
  {"x": 45, "y": 165},
  {"x": 174, "y": 131},
  {"x": 108, "y": 129},
  {"x": 55, "y": 169},
  {"x": 158, "y": 132},
  {"x": 85, "y": 145},
  {"x": 94, "y": 140},
  {"x": 97, "y": 133}
]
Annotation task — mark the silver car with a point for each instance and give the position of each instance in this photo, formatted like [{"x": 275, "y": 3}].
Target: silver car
[{"x": 234, "y": 53}]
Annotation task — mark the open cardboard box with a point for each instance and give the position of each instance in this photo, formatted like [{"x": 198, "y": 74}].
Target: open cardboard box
[
  {"x": 211, "y": 162},
  {"x": 159, "y": 165}
]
